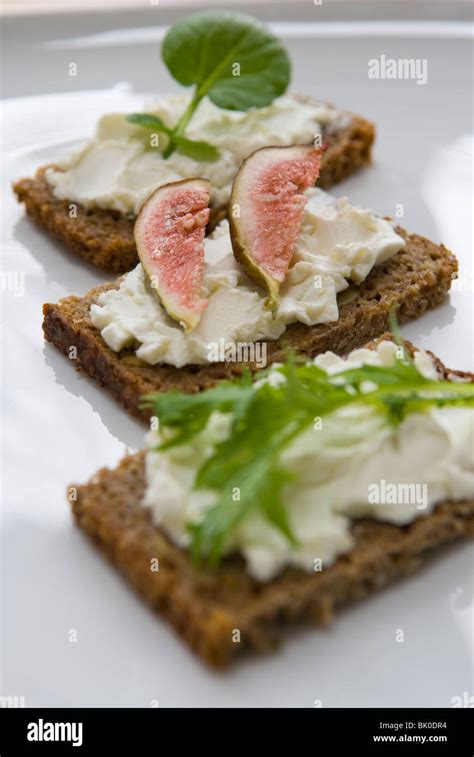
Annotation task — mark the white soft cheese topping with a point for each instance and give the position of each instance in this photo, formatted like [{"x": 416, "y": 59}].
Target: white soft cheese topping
[
  {"x": 336, "y": 467},
  {"x": 337, "y": 242},
  {"x": 118, "y": 170}
]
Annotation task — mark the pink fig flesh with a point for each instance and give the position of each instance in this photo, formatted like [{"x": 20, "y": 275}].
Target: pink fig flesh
[
  {"x": 169, "y": 234},
  {"x": 266, "y": 210}
]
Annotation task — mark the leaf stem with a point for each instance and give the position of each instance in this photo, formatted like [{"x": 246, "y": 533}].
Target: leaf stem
[{"x": 182, "y": 123}]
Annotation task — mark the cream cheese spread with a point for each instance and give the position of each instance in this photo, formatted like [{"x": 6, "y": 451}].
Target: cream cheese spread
[
  {"x": 119, "y": 169},
  {"x": 337, "y": 243},
  {"x": 344, "y": 470}
]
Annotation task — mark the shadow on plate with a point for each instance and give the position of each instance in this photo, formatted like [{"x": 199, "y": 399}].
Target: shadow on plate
[
  {"x": 123, "y": 427},
  {"x": 60, "y": 265},
  {"x": 422, "y": 329}
]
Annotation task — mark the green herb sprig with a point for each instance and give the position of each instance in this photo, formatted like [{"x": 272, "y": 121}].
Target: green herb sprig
[
  {"x": 266, "y": 419},
  {"x": 227, "y": 56}
]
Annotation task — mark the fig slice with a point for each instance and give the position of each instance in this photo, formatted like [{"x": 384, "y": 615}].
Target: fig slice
[
  {"x": 169, "y": 234},
  {"x": 266, "y": 209}
]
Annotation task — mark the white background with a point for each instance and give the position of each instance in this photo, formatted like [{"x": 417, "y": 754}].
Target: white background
[{"x": 60, "y": 427}]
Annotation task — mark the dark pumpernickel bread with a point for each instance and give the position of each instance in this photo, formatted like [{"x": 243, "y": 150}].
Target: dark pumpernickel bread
[
  {"x": 206, "y": 606},
  {"x": 105, "y": 237},
  {"x": 413, "y": 281}
]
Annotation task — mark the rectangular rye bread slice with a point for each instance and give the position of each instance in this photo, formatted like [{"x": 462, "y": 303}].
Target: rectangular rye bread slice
[
  {"x": 206, "y": 607},
  {"x": 413, "y": 281},
  {"x": 105, "y": 237}
]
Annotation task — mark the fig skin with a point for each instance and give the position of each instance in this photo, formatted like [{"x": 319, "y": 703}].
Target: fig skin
[
  {"x": 251, "y": 268},
  {"x": 240, "y": 249},
  {"x": 184, "y": 315}
]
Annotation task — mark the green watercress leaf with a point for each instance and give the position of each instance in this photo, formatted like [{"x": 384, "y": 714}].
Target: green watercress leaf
[
  {"x": 208, "y": 49},
  {"x": 148, "y": 121},
  {"x": 196, "y": 149},
  {"x": 229, "y": 57}
]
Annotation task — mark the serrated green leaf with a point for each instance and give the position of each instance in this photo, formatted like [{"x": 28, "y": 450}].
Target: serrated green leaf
[
  {"x": 264, "y": 422},
  {"x": 188, "y": 414}
]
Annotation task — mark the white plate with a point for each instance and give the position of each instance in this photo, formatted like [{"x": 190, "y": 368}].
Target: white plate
[{"x": 59, "y": 427}]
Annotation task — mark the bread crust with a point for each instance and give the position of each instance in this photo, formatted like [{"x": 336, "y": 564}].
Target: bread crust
[
  {"x": 105, "y": 237},
  {"x": 413, "y": 281},
  {"x": 207, "y": 606}
]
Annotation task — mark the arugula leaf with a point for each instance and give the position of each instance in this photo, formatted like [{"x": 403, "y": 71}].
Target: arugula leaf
[
  {"x": 266, "y": 418},
  {"x": 247, "y": 463},
  {"x": 209, "y": 536},
  {"x": 188, "y": 414},
  {"x": 208, "y": 49},
  {"x": 396, "y": 333}
]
